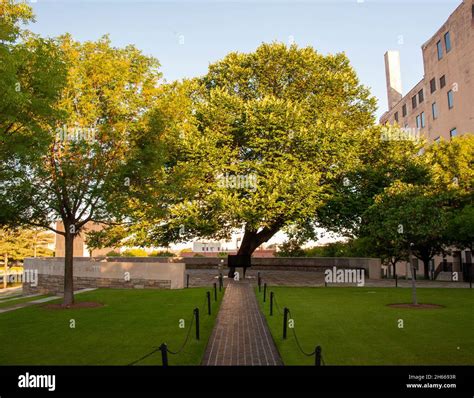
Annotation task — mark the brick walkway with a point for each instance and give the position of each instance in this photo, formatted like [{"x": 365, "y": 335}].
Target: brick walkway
[{"x": 240, "y": 335}]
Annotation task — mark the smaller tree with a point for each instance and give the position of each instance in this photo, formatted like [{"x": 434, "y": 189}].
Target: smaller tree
[
  {"x": 460, "y": 231},
  {"x": 405, "y": 214}
]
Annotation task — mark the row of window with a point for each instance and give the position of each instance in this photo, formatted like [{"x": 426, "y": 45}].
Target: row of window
[
  {"x": 447, "y": 45},
  {"x": 434, "y": 108}
]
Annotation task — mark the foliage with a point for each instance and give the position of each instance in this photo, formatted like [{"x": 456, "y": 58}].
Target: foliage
[
  {"x": 18, "y": 244},
  {"x": 260, "y": 138},
  {"x": 134, "y": 253},
  {"x": 290, "y": 248},
  {"x": 101, "y": 153},
  {"x": 161, "y": 253}
]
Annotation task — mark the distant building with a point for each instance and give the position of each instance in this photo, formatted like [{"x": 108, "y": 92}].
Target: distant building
[
  {"x": 209, "y": 247},
  {"x": 441, "y": 105},
  {"x": 80, "y": 247}
]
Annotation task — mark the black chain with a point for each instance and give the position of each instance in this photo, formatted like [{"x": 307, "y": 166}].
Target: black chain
[
  {"x": 308, "y": 354},
  {"x": 143, "y": 357},
  {"x": 185, "y": 340},
  {"x": 298, "y": 342},
  {"x": 276, "y": 305}
]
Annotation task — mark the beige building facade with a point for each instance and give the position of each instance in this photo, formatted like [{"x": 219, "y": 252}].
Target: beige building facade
[
  {"x": 441, "y": 104},
  {"x": 80, "y": 248}
]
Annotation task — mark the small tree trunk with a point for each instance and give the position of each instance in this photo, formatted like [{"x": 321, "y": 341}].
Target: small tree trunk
[
  {"x": 5, "y": 275},
  {"x": 68, "y": 269},
  {"x": 426, "y": 268}
]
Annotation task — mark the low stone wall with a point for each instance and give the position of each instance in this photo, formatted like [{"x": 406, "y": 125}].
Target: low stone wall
[
  {"x": 372, "y": 266},
  {"x": 98, "y": 273}
]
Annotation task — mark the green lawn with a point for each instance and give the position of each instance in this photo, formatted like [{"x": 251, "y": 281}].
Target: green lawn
[
  {"x": 354, "y": 326},
  {"x": 19, "y": 300},
  {"x": 131, "y": 324}
]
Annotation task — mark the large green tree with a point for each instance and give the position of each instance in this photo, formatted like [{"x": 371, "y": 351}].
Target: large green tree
[
  {"x": 31, "y": 76},
  {"x": 261, "y": 138},
  {"x": 100, "y": 151}
]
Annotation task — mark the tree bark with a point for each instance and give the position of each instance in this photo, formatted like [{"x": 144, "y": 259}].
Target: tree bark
[
  {"x": 253, "y": 239},
  {"x": 68, "y": 269},
  {"x": 5, "y": 275},
  {"x": 426, "y": 267}
]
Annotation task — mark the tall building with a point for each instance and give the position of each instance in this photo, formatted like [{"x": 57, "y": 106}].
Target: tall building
[{"x": 441, "y": 105}]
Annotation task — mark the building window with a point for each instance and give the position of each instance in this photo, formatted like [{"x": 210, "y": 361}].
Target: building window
[
  {"x": 404, "y": 110},
  {"x": 432, "y": 85},
  {"x": 396, "y": 116},
  {"x": 422, "y": 118},
  {"x": 450, "y": 99},
  {"x": 442, "y": 81},
  {"x": 434, "y": 110},
  {"x": 453, "y": 132},
  {"x": 413, "y": 102},
  {"x": 447, "y": 41},
  {"x": 439, "y": 47},
  {"x": 418, "y": 121},
  {"x": 420, "y": 96}
]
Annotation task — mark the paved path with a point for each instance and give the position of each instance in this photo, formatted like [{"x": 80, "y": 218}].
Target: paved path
[
  {"x": 241, "y": 335},
  {"x": 39, "y": 301}
]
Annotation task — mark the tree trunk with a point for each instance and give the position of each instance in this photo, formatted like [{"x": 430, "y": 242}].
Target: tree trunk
[
  {"x": 426, "y": 267},
  {"x": 253, "y": 239},
  {"x": 5, "y": 275},
  {"x": 249, "y": 243},
  {"x": 68, "y": 269}
]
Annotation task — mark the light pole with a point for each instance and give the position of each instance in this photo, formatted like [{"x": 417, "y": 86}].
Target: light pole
[{"x": 413, "y": 282}]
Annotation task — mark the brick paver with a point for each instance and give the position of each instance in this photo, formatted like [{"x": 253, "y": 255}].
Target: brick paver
[{"x": 240, "y": 335}]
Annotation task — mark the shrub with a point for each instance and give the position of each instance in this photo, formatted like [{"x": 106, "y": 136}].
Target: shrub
[
  {"x": 134, "y": 253},
  {"x": 159, "y": 253}
]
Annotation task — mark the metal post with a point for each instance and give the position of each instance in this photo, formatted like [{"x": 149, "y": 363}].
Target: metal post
[
  {"x": 215, "y": 291},
  {"x": 264, "y": 292},
  {"x": 164, "y": 354},
  {"x": 221, "y": 283},
  {"x": 259, "y": 282},
  {"x": 187, "y": 280},
  {"x": 271, "y": 303},
  {"x": 317, "y": 356},
  {"x": 196, "y": 316},
  {"x": 285, "y": 321},
  {"x": 208, "y": 295}
]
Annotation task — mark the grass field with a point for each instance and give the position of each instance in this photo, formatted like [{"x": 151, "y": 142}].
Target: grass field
[
  {"x": 354, "y": 326},
  {"x": 18, "y": 300},
  {"x": 129, "y": 325}
]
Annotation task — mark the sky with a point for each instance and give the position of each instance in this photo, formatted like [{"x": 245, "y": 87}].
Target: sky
[{"x": 186, "y": 36}]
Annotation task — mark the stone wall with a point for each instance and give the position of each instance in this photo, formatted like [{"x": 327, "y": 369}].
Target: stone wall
[
  {"x": 372, "y": 266},
  {"x": 100, "y": 273}
]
